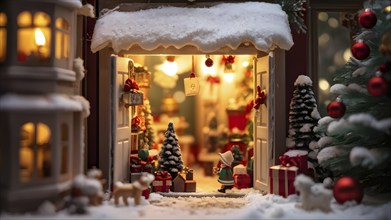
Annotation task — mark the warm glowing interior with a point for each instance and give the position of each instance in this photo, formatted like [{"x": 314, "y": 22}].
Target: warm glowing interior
[
  {"x": 62, "y": 39},
  {"x": 3, "y": 36},
  {"x": 34, "y": 148},
  {"x": 33, "y": 37},
  {"x": 222, "y": 87}
]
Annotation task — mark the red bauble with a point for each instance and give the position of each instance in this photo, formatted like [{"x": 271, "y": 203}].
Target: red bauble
[
  {"x": 360, "y": 50},
  {"x": 367, "y": 19},
  {"x": 231, "y": 59},
  {"x": 209, "y": 62},
  {"x": 170, "y": 59},
  {"x": 383, "y": 68},
  {"x": 336, "y": 109},
  {"x": 377, "y": 86},
  {"x": 347, "y": 189},
  {"x": 136, "y": 121}
]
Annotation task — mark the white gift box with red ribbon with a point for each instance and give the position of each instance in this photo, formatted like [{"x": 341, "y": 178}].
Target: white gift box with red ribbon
[{"x": 281, "y": 180}]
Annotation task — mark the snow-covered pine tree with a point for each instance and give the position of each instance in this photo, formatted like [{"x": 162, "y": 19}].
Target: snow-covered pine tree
[
  {"x": 149, "y": 137},
  {"x": 358, "y": 144},
  {"x": 238, "y": 155},
  {"x": 170, "y": 155},
  {"x": 303, "y": 118}
]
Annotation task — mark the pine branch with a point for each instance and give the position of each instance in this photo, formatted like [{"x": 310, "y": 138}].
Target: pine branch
[{"x": 294, "y": 9}]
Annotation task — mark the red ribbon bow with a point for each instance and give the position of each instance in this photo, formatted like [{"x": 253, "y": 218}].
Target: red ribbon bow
[
  {"x": 288, "y": 161},
  {"x": 261, "y": 98},
  {"x": 213, "y": 79},
  {"x": 130, "y": 85},
  {"x": 163, "y": 175}
]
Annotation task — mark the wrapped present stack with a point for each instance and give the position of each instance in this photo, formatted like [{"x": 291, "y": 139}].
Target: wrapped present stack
[
  {"x": 241, "y": 177},
  {"x": 282, "y": 176},
  {"x": 162, "y": 182},
  {"x": 141, "y": 162},
  {"x": 184, "y": 182}
]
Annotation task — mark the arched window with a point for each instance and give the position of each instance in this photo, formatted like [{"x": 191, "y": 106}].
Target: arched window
[
  {"x": 64, "y": 148},
  {"x": 35, "y": 151},
  {"x": 33, "y": 37},
  {"x": 3, "y": 36},
  {"x": 62, "y": 39}
]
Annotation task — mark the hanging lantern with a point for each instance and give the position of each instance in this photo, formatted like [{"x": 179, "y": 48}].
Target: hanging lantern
[{"x": 131, "y": 95}]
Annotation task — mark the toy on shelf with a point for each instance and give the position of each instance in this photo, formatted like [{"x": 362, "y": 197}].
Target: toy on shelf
[
  {"x": 134, "y": 190},
  {"x": 224, "y": 170},
  {"x": 162, "y": 182},
  {"x": 313, "y": 196}
]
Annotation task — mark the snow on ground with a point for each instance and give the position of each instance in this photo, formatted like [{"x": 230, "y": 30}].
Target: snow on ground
[{"x": 252, "y": 206}]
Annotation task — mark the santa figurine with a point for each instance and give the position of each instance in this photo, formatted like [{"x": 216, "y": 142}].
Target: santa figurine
[{"x": 224, "y": 170}]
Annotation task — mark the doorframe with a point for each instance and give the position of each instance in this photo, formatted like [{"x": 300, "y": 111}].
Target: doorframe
[{"x": 277, "y": 73}]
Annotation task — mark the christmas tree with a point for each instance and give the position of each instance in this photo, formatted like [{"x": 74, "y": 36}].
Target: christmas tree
[
  {"x": 238, "y": 155},
  {"x": 358, "y": 125},
  {"x": 149, "y": 137},
  {"x": 303, "y": 117},
  {"x": 170, "y": 156}
]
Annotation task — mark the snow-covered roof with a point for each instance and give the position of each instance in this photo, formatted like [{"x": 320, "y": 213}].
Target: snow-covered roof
[
  {"x": 265, "y": 25},
  {"x": 43, "y": 102}
]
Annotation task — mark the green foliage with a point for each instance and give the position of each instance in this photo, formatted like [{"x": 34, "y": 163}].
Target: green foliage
[
  {"x": 372, "y": 130},
  {"x": 294, "y": 9}
]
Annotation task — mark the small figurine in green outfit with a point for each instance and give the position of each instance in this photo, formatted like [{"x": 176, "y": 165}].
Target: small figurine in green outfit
[{"x": 224, "y": 170}]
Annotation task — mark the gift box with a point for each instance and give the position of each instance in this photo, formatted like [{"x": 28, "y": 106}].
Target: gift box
[
  {"x": 162, "y": 182},
  {"x": 281, "y": 180},
  {"x": 146, "y": 193},
  {"x": 133, "y": 98},
  {"x": 189, "y": 173},
  {"x": 298, "y": 158},
  {"x": 190, "y": 186},
  {"x": 241, "y": 178}
]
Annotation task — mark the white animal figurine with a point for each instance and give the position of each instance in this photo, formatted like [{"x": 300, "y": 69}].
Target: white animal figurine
[
  {"x": 134, "y": 190},
  {"x": 313, "y": 195}
]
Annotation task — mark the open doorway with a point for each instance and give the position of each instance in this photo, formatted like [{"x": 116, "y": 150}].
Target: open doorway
[{"x": 213, "y": 121}]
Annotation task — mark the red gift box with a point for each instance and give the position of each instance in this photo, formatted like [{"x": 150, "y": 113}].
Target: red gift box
[
  {"x": 281, "y": 180},
  {"x": 162, "y": 182},
  {"x": 298, "y": 158},
  {"x": 146, "y": 193},
  {"x": 242, "y": 181}
]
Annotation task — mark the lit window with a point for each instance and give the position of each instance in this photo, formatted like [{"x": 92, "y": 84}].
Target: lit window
[
  {"x": 35, "y": 151},
  {"x": 62, "y": 39},
  {"x": 64, "y": 148},
  {"x": 3, "y": 36},
  {"x": 33, "y": 37}
]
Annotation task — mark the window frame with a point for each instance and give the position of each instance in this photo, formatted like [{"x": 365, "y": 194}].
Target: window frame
[{"x": 314, "y": 7}]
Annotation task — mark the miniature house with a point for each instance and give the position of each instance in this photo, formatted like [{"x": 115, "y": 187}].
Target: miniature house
[
  {"x": 264, "y": 34},
  {"x": 41, "y": 113}
]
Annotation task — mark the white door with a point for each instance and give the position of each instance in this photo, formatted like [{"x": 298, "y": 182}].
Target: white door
[
  {"x": 120, "y": 123},
  {"x": 263, "y": 153}
]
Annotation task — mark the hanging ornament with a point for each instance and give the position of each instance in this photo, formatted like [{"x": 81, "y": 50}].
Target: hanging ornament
[
  {"x": 360, "y": 50},
  {"x": 170, "y": 59},
  {"x": 208, "y": 61},
  {"x": 383, "y": 68},
  {"x": 231, "y": 59},
  {"x": 260, "y": 99},
  {"x": 136, "y": 121},
  {"x": 336, "y": 109},
  {"x": 377, "y": 85},
  {"x": 192, "y": 84},
  {"x": 367, "y": 19},
  {"x": 347, "y": 189},
  {"x": 385, "y": 45}
]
